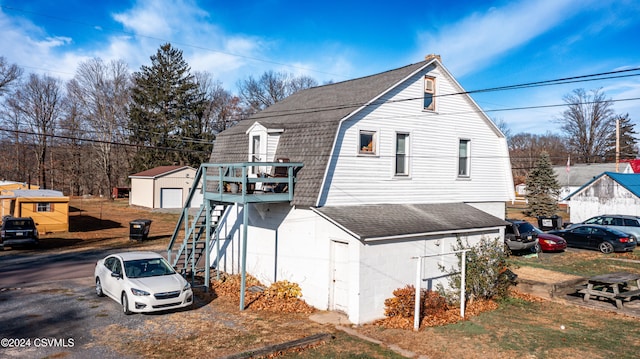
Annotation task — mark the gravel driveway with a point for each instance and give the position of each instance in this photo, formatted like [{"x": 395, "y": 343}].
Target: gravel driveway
[{"x": 58, "y": 319}]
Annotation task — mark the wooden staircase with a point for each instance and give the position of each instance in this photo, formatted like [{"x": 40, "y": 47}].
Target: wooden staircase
[{"x": 190, "y": 256}]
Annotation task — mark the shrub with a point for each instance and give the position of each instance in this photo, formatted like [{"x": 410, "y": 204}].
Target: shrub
[
  {"x": 487, "y": 274},
  {"x": 283, "y": 290}
]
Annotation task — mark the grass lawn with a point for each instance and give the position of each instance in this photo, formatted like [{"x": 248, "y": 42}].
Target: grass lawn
[{"x": 517, "y": 329}]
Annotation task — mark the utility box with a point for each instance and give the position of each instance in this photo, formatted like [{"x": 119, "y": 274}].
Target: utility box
[{"x": 139, "y": 229}]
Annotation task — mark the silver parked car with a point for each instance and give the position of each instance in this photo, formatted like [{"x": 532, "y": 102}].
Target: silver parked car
[{"x": 621, "y": 222}]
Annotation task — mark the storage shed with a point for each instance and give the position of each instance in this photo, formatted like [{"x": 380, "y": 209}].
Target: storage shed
[
  {"x": 163, "y": 187},
  {"x": 48, "y": 208}
]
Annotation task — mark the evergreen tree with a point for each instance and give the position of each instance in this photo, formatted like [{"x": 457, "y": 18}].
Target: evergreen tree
[
  {"x": 542, "y": 188},
  {"x": 628, "y": 142},
  {"x": 166, "y": 113}
]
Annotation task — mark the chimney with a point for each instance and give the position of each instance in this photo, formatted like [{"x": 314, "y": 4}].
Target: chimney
[{"x": 433, "y": 56}]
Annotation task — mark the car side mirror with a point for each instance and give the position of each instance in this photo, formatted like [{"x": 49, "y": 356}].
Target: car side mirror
[{"x": 116, "y": 275}]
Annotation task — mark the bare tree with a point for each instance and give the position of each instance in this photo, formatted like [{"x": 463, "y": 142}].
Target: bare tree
[
  {"x": 100, "y": 93},
  {"x": 8, "y": 74},
  {"x": 271, "y": 87},
  {"x": 223, "y": 109},
  {"x": 526, "y": 148},
  {"x": 587, "y": 122},
  {"x": 37, "y": 104}
]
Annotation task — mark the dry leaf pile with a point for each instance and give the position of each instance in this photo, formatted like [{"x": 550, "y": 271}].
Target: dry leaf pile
[{"x": 282, "y": 297}]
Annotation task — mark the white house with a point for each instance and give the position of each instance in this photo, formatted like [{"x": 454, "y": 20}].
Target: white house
[
  {"x": 163, "y": 187},
  {"x": 607, "y": 193},
  {"x": 396, "y": 166}
]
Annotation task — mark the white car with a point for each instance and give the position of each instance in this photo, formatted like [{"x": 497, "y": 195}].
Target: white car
[{"x": 141, "y": 282}]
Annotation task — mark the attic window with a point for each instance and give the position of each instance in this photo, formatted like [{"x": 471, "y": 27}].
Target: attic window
[
  {"x": 367, "y": 143},
  {"x": 429, "y": 93}
]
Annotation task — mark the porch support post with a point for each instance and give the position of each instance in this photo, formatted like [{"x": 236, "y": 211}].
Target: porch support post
[
  {"x": 416, "y": 310},
  {"x": 463, "y": 278},
  {"x": 245, "y": 220}
]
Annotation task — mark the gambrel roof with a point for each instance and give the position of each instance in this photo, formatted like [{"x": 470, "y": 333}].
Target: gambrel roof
[{"x": 310, "y": 119}]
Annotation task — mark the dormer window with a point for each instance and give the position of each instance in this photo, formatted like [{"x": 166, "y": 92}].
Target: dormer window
[{"x": 429, "y": 93}]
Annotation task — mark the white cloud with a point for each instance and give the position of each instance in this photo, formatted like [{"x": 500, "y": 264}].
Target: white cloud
[{"x": 480, "y": 38}]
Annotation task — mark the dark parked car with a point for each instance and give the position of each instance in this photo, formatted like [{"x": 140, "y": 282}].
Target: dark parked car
[
  {"x": 520, "y": 236},
  {"x": 18, "y": 232},
  {"x": 604, "y": 239},
  {"x": 550, "y": 242},
  {"x": 621, "y": 222}
]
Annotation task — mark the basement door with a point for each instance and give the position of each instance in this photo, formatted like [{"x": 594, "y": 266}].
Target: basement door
[
  {"x": 171, "y": 198},
  {"x": 339, "y": 292}
]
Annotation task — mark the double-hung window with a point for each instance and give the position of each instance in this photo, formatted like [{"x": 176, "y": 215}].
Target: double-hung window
[
  {"x": 429, "y": 93},
  {"x": 463, "y": 158},
  {"x": 402, "y": 154}
]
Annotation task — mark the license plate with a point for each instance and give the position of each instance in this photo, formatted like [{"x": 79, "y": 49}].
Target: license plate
[
  {"x": 19, "y": 234},
  {"x": 529, "y": 238}
]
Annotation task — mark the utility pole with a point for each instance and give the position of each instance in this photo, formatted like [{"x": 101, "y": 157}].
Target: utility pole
[{"x": 617, "y": 144}]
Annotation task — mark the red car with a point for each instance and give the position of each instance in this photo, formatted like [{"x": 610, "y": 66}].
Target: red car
[{"x": 550, "y": 242}]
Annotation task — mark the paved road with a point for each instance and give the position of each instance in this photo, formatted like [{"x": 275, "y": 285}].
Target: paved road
[
  {"x": 22, "y": 269},
  {"x": 50, "y": 309}
]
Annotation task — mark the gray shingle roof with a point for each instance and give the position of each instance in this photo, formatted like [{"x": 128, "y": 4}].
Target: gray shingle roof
[
  {"x": 310, "y": 120},
  {"x": 367, "y": 222}
]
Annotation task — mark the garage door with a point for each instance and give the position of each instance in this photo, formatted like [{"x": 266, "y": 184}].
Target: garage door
[{"x": 171, "y": 198}]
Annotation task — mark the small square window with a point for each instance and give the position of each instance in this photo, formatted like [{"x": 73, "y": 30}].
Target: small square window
[
  {"x": 367, "y": 143},
  {"x": 44, "y": 207}
]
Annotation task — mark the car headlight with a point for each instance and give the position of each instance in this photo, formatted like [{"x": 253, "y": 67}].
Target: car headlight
[
  {"x": 186, "y": 287},
  {"x": 139, "y": 292}
]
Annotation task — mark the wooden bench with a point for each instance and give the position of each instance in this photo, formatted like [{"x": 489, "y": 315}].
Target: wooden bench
[{"x": 628, "y": 294}]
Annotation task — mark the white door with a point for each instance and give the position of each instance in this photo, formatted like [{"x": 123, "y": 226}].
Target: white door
[
  {"x": 339, "y": 293},
  {"x": 171, "y": 198}
]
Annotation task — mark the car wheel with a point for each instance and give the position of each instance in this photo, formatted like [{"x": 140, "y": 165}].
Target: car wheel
[
  {"x": 99, "y": 291},
  {"x": 536, "y": 248},
  {"x": 605, "y": 247},
  {"x": 125, "y": 304}
]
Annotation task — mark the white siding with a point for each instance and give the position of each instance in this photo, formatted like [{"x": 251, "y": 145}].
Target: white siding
[
  {"x": 141, "y": 193},
  {"x": 295, "y": 245},
  {"x": 182, "y": 179},
  {"x": 434, "y": 140},
  {"x": 604, "y": 196}
]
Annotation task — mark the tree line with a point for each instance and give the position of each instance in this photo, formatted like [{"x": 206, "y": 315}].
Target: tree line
[{"x": 88, "y": 134}]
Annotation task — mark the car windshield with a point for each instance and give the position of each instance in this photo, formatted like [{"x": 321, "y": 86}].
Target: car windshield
[
  {"x": 152, "y": 267},
  {"x": 526, "y": 227},
  {"x": 18, "y": 224}
]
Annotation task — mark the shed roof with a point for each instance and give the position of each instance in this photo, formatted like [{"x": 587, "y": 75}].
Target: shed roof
[
  {"x": 582, "y": 173},
  {"x": 385, "y": 221},
  {"x": 160, "y": 171},
  {"x": 630, "y": 181},
  {"x": 310, "y": 120},
  {"x": 37, "y": 193}
]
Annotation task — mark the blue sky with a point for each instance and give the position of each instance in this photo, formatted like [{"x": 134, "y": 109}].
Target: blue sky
[{"x": 484, "y": 44}]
